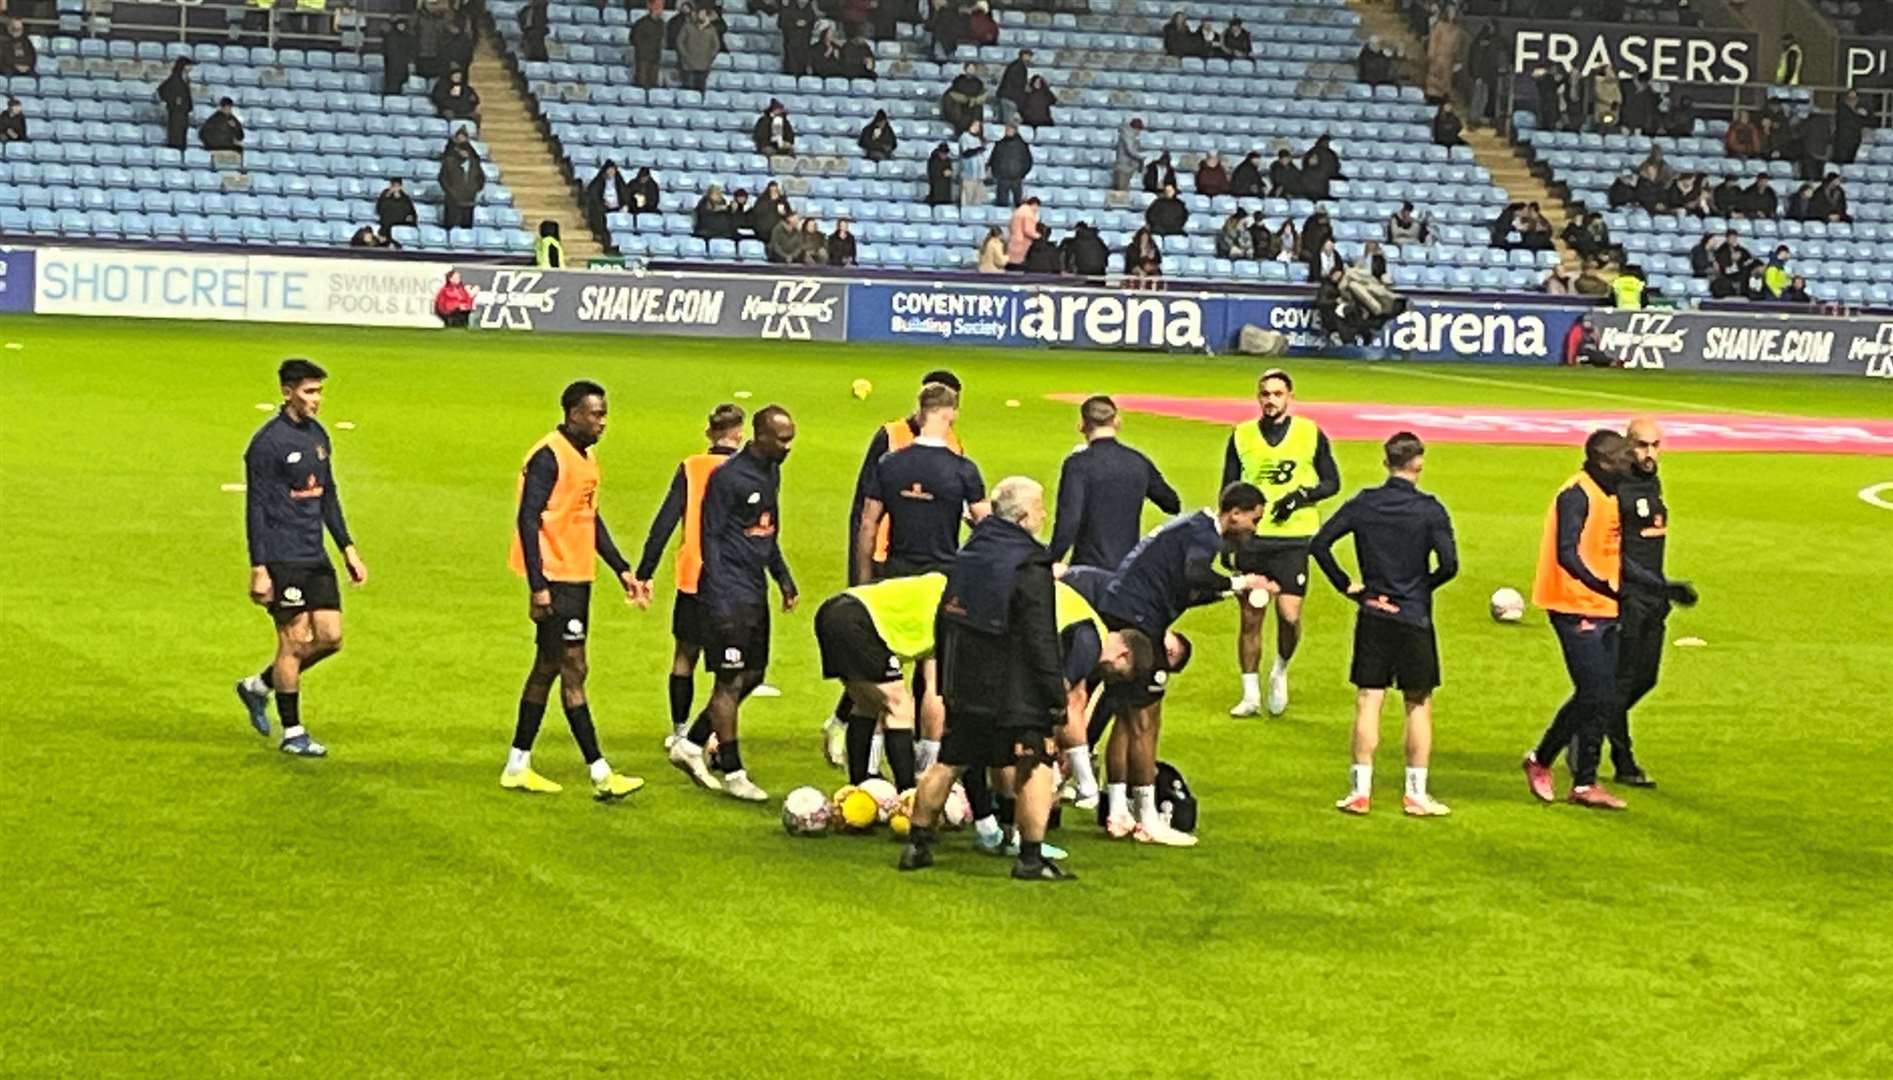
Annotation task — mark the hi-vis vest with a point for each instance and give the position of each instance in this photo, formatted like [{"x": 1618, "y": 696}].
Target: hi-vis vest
[
  {"x": 1628, "y": 289},
  {"x": 1600, "y": 547},
  {"x": 543, "y": 251},
  {"x": 1278, "y": 470},
  {"x": 1070, "y": 608},
  {"x": 568, "y": 527},
  {"x": 902, "y": 611},
  {"x": 697, "y": 469},
  {"x": 899, "y": 436}
]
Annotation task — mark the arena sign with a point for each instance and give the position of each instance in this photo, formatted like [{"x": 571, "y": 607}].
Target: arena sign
[
  {"x": 1673, "y": 54},
  {"x": 1658, "y": 340},
  {"x": 621, "y": 302}
]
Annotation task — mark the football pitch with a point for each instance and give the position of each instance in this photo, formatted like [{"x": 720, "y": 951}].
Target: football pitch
[{"x": 182, "y": 900}]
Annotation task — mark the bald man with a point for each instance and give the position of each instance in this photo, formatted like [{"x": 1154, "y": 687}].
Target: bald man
[{"x": 1645, "y": 612}]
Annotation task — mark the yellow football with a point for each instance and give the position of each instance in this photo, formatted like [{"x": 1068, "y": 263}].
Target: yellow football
[
  {"x": 861, "y": 389},
  {"x": 855, "y": 809},
  {"x": 902, "y": 819}
]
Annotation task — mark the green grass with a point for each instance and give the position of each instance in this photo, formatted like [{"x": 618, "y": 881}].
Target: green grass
[{"x": 181, "y": 901}]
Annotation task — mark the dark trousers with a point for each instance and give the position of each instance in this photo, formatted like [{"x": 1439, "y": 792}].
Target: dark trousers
[
  {"x": 646, "y": 72},
  {"x": 456, "y": 217},
  {"x": 177, "y": 128},
  {"x": 1590, "y": 657},
  {"x": 1639, "y": 653},
  {"x": 1011, "y": 192}
]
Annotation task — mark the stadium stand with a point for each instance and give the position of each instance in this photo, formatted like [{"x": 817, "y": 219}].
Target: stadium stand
[
  {"x": 1106, "y": 66},
  {"x": 322, "y": 142}
]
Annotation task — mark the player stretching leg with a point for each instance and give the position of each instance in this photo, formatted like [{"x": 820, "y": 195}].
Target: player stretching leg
[
  {"x": 741, "y": 552},
  {"x": 683, "y": 505},
  {"x": 558, "y": 538},
  {"x": 289, "y": 500},
  {"x": 1404, "y": 543}
]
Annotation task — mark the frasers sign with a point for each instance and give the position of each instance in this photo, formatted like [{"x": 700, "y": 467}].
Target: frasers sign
[
  {"x": 1665, "y": 54},
  {"x": 1864, "y": 62}
]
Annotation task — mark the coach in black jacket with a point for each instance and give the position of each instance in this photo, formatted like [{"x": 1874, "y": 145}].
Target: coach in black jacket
[{"x": 996, "y": 641}]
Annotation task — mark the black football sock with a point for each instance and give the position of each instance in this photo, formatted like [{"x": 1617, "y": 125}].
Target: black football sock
[
  {"x": 1005, "y": 808},
  {"x": 269, "y": 676},
  {"x": 1031, "y": 853},
  {"x": 700, "y": 729},
  {"x": 844, "y": 707},
  {"x": 978, "y": 791},
  {"x": 526, "y": 728},
  {"x": 860, "y": 746},
  {"x": 580, "y": 717},
  {"x": 682, "y": 689},
  {"x": 289, "y": 708},
  {"x": 899, "y": 748},
  {"x": 920, "y": 836},
  {"x": 729, "y": 757}
]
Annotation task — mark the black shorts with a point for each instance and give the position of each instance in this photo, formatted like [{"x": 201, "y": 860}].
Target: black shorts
[
  {"x": 852, "y": 649},
  {"x": 986, "y": 740},
  {"x": 570, "y": 622},
  {"x": 737, "y": 641},
  {"x": 1388, "y": 652},
  {"x": 1282, "y": 560},
  {"x": 688, "y": 623},
  {"x": 297, "y": 587}
]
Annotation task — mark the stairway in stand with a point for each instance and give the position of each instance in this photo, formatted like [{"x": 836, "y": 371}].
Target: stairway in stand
[{"x": 527, "y": 162}]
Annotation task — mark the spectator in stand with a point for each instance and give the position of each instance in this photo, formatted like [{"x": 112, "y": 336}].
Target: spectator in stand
[
  {"x": 1340, "y": 317},
  {"x": 1679, "y": 120},
  {"x": 17, "y": 54},
  {"x": 432, "y": 23},
  {"x": 13, "y": 122},
  {"x": 1166, "y": 215},
  {"x": 1796, "y": 292},
  {"x": 1535, "y": 230},
  {"x": 972, "y": 153},
  {"x": 1642, "y": 105},
  {"x": 1012, "y": 84},
  {"x": 992, "y": 252},
  {"x": 841, "y": 250},
  {"x": 857, "y": 17},
  {"x": 743, "y": 215},
  {"x": 1743, "y": 139},
  {"x": 1588, "y": 234},
  {"x": 1285, "y": 178},
  {"x": 1128, "y": 156},
  {"x": 1607, "y": 99},
  {"x": 1777, "y": 140},
  {"x": 1320, "y": 166},
  {"x": 533, "y": 27},
  {"x": 813, "y": 250},
  {"x": 1581, "y": 346},
  {"x": 1142, "y": 257},
  {"x": 947, "y": 28},
  {"x": 1262, "y": 239},
  {"x": 1374, "y": 66},
  {"x": 1730, "y": 200},
  {"x": 1085, "y": 253},
  {"x": 713, "y": 219},
  {"x": 1233, "y": 240},
  {"x": 461, "y": 178},
  {"x": 1788, "y": 66},
  {"x": 771, "y": 208},
  {"x": 981, "y": 27},
  {"x": 1731, "y": 257},
  {"x": 698, "y": 45},
  {"x": 877, "y": 139},
  {"x": 607, "y": 194},
  {"x": 964, "y": 102},
  {"x": 1160, "y": 174},
  {"x": 857, "y": 59},
  {"x": 175, "y": 93},
  {"x": 1236, "y": 42},
  {"x": 1775, "y": 276},
  {"x": 454, "y": 99},
  {"x": 1799, "y": 203},
  {"x": 1694, "y": 196},
  {"x": 1548, "y": 95},
  {"x": 647, "y": 46},
  {"x": 773, "y": 133},
  {"x": 1325, "y": 260},
  {"x": 1850, "y": 120},
  {"x": 393, "y": 207},
  {"x": 1035, "y": 110},
  {"x": 1622, "y": 192},
  {"x": 1484, "y": 64},
  {"x": 940, "y": 169},
  {"x": 796, "y": 22},
  {"x": 1178, "y": 40},
  {"x": 1207, "y": 44},
  {"x": 1246, "y": 181},
  {"x": 1829, "y": 201},
  {"x": 1021, "y": 230},
  {"x": 1505, "y": 227},
  {"x": 1405, "y": 228},
  {"x": 1656, "y": 168},
  {"x": 1287, "y": 242},
  {"x": 1315, "y": 232},
  {"x": 456, "y": 49},
  {"x": 1702, "y": 257},
  {"x": 826, "y": 61},
  {"x": 1043, "y": 256},
  {"x": 1373, "y": 262},
  {"x": 368, "y": 237},
  {"x": 646, "y": 196},
  {"x": 222, "y": 131},
  {"x": 1445, "y": 52},
  {"x": 454, "y": 302},
  {"x": 1758, "y": 199},
  {"x": 1447, "y": 126},
  {"x": 1011, "y": 163},
  {"x": 397, "y": 56},
  {"x": 1754, "y": 284},
  {"x": 1211, "y": 178},
  {"x": 785, "y": 240}
]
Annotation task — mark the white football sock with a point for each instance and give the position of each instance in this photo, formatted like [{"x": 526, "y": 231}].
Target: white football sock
[
  {"x": 600, "y": 769},
  {"x": 1146, "y": 799},
  {"x": 874, "y": 755},
  {"x": 1251, "y": 686},
  {"x": 986, "y": 827},
  {"x": 1119, "y": 795},
  {"x": 1363, "y": 777},
  {"x": 291, "y": 732},
  {"x": 1078, "y": 763},
  {"x": 518, "y": 760},
  {"x": 1416, "y": 780},
  {"x": 254, "y": 685},
  {"x": 926, "y": 752},
  {"x": 679, "y": 731},
  {"x": 1279, "y": 668},
  {"x": 736, "y": 777}
]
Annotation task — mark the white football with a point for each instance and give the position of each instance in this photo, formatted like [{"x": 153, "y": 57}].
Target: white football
[
  {"x": 1507, "y": 605},
  {"x": 805, "y": 812},
  {"x": 886, "y": 798},
  {"x": 958, "y": 809}
]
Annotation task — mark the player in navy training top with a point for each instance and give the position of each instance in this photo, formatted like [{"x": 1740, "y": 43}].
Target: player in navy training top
[{"x": 1101, "y": 491}]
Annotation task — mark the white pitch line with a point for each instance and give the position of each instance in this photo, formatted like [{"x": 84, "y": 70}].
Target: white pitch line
[
  {"x": 1872, "y": 497},
  {"x": 1576, "y": 391}
]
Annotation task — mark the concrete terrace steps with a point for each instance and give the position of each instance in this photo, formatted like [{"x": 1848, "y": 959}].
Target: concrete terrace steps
[{"x": 540, "y": 188}]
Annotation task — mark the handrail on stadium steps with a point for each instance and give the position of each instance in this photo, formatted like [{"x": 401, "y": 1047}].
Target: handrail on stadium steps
[{"x": 348, "y": 29}]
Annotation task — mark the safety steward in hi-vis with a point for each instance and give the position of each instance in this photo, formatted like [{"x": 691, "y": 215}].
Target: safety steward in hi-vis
[
  {"x": 1288, "y": 458},
  {"x": 558, "y": 537}
]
